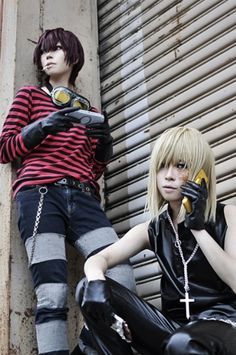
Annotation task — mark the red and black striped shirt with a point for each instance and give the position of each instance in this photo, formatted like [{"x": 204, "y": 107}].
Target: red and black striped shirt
[{"x": 70, "y": 153}]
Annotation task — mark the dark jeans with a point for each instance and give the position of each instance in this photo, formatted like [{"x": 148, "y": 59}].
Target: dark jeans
[
  {"x": 153, "y": 333},
  {"x": 68, "y": 215}
]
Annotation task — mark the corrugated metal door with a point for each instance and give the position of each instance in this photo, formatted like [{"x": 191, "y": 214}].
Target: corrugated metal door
[{"x": 164, "y": 63}]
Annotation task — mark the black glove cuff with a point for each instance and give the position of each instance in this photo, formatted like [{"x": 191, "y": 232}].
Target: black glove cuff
[
  {"x": 32, "y": 135},
  {"x": 192, "y": 222},
  {"x": 106, "y": 140},
  {"x": 104, "y": 152}
]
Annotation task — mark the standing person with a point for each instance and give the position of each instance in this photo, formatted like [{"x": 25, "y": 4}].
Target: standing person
[
  {"x": 56, "y": 188},
  {"x": 196, "y": 250}
]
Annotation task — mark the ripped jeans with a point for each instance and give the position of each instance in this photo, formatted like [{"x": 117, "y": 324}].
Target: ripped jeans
[{"x": 68, "y": 215}]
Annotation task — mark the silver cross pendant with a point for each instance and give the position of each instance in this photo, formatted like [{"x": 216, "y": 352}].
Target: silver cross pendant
[{"x": 187, "y": 300}]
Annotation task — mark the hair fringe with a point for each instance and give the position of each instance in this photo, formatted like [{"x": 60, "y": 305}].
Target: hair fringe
[
  {"x": 189, "y": 145},
  {"x": 74, "y": 52}
]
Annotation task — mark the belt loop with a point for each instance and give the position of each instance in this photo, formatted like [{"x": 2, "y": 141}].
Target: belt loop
[{"x": 70, "y": 182}]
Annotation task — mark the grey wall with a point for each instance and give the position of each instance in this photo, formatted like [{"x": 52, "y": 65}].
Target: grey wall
[{"x": 22, "y": 22}]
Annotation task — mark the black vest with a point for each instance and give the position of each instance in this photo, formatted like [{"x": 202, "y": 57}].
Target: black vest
[{"x": 213, "y": 298}]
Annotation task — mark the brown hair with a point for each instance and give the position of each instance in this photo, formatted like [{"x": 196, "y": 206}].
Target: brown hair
[{"x": 74, "y": 53}]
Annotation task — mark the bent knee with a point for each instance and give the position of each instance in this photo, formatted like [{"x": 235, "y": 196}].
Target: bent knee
[
  {"x": 80, "y": 291},
  {"x": 181, "y": 342}
]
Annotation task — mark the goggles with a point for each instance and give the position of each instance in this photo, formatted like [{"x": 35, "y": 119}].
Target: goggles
[{"x": 64, "y": 97}]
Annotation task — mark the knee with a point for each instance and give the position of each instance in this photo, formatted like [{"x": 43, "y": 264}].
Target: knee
[
  {"x": 181, "y": 342},
  {"x": 177, "y": 342}
]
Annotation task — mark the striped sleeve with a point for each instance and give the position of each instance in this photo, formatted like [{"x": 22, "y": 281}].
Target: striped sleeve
[
  {"x": 11, "y": 142},
  {"x": 99, "y": 168}
]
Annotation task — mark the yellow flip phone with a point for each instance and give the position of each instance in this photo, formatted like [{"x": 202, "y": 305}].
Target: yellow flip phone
[{"x": 201, "y": 175}]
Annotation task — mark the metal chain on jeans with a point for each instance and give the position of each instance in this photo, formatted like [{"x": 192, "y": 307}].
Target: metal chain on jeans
[{"x": 42, "y": 190}]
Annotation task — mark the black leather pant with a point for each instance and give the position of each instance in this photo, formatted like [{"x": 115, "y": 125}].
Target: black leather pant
[{"x": 153, "y": 333}]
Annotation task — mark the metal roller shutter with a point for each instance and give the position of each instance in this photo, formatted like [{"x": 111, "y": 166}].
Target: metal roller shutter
[{"x": 164, "y": 63}]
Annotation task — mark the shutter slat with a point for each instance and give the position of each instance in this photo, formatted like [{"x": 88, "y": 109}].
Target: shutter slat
[{"x": 164, "y": 63}]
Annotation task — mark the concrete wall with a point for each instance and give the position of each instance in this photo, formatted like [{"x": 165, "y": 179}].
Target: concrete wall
[{"x": 22, "y": 23}]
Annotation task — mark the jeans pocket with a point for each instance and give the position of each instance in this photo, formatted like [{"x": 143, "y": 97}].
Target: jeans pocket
[{"x": 26, "y": 190}]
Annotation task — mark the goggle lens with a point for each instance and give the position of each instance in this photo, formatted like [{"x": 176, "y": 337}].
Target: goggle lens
[
  {"x": 80, "y": 104},
  {"x": 62, "y": 96}
]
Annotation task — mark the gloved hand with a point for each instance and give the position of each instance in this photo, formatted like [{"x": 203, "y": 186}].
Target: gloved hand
[
  {"x": 36, "y": 132},
  {"x": 102, "y": 131},
  {"x": 96, "y": 302},
  {"x": 197, "y": 194}
]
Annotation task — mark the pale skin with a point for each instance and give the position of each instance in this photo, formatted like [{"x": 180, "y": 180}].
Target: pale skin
[
  {"x": 55, "y": 66},
  {"x": 169, "y": 180}
]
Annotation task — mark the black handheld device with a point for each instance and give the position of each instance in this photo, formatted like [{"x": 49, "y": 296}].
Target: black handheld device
[{"x": 85, "y": 117}]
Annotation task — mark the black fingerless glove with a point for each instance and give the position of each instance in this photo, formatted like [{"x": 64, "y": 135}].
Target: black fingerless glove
[
  {"x": 102, "y": 131},
  {"x": 36, "y": 132},
  {"x": 96, "y": 302},
  {"x": 197, "y": 194}
]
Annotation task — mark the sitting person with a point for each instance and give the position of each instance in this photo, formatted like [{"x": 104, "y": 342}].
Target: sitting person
[{"x": 195, "y": 246}]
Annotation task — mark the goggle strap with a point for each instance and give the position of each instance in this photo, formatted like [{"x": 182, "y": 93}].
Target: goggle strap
[{"x": 49, "y": 86}]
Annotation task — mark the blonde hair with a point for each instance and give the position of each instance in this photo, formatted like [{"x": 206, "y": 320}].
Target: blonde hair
[{"x": 187, "y": 145}]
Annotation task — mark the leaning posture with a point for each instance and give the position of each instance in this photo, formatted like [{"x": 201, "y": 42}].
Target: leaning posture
[
  {"x": 194, "y": 240},
  {"x": 56, "y": 189}
]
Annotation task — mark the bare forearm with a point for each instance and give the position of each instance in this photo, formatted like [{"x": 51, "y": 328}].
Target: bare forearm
[
  {"x": 223, "y": 263},
  {"x": 95, "y": 267},
  {"x": 133, "y": 242}
]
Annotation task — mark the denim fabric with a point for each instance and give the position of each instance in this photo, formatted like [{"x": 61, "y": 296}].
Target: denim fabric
[
  {"x": 68, "y": 215},
  {"x": 65, "y": 211}
]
